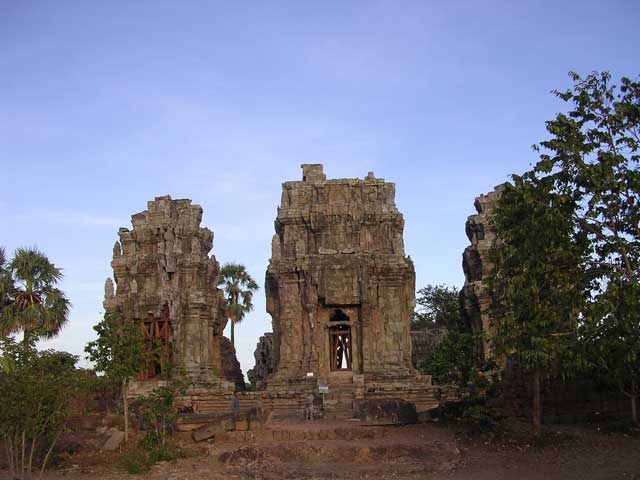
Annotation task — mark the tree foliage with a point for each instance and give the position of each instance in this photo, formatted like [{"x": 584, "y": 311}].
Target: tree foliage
[
  {"x": 593, "y": 159},
  {"x": 119, "y": 349},
  {"x": 158, "y": 412},
  {"x": 537, "y": 284},
  {"x": 36, "y": 393},
  {"x": 436, "y": 306},
  {"x": 238, "y": 288},
  {"x": 32, "y": 303},
  {"x": 567, "y": 269},
  {"x": 120, "y": 352},
  {"x": 454, "y": 360}
]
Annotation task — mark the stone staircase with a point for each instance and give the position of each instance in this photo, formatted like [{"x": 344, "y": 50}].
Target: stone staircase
[
  {"x": 339, "y": 402},
  {"x": 334, "y": 449}
]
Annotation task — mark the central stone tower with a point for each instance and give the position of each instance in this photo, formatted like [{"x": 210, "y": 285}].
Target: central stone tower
[{"x": 339, "y": 288}]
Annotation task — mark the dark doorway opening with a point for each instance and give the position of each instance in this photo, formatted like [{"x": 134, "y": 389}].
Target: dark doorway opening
[{"x": 339, "y": 316}]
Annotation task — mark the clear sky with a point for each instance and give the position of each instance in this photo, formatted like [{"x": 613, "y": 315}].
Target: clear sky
[{"x": 106, "y": 105}]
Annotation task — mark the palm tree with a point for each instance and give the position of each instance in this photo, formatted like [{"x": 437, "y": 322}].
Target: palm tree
[
  {"x": 35, "y": 306},
  {"x": 6, "y": 285},
  {"x": 238, "y": 288}
]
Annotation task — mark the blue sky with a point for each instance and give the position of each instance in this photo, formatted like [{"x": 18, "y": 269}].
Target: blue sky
[{"x": 106, "y": 105}]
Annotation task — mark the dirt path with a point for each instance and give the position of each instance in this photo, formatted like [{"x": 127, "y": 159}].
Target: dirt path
[
  {"x": 412, "y": 452},
  {"x": 581, "y": 455}
]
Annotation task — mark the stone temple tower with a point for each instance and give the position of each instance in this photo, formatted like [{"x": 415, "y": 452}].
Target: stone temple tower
[
  {"x": 339, "y": 287},
  {"x": 166, "y": 283}
]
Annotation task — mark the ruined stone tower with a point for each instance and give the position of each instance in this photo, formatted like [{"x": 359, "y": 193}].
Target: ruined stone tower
[
  {"x": 338, "y": 265},
  {"x": 340, "y": 289},
  {"x": 166, "y": 282},
  {"x": 477, "y": 265}
]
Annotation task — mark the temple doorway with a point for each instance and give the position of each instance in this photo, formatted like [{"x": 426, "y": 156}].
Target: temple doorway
[
  {"x": 341, "y": 352},
  {"x": 157, "y": 335}
]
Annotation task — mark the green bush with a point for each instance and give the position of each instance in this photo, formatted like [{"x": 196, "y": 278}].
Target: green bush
[
  {"x": 37, "y": 393},
  {"x": 134, "y": 462},
  {"x": 455, "y": 362},
  {"x": 149, "y": 441},
  {"x": 472, "y": 416},
  {"x": 162, "y": 453},
  {"x": 155, "y": 450},
  {"x": 480, "y": 419},
  {"x": 158, "y": 412}
]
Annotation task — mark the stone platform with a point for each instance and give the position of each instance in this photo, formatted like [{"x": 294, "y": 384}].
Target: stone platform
[{"x": 337, "y": 449}]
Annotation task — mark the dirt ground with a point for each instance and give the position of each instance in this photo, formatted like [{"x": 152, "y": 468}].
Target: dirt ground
[
  {"x": 569, "y": 453},
  {"x": 426, "y": 451}
]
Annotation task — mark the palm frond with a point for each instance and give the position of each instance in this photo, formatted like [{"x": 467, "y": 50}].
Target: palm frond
[
  {"x": 238, "y": 286},
  {"x": 33, "y": 269},
  {"x": 32, "y": 302}
]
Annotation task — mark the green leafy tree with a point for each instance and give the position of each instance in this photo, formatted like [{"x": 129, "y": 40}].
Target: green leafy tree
[
  {"x": 537, "y": 284},
  {"x": 35, "y": 305},
  {"x": 37, "y": 391},
  {"x": 238, "y": 288},
  {"x": 119, "y": 352},
  {"x": 436, "y": 306},
  {"x": 454, "y": 360},
  {"x": 613, "y": 339},
  {"x": 593, "y": 160},
  {"x": 159, "y": 413},
  {"x": 455, "y": 364}
]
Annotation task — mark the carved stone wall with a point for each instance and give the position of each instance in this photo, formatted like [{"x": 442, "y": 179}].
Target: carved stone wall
[
  {"x": 339, "y": 246},
  {"x": 423, "y": 343},
  {"x": 161, "y": 269},
  {"x": 477, "y": 265}
]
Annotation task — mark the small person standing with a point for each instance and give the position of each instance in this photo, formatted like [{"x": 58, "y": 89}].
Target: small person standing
[{"x": 235, "y": 405}]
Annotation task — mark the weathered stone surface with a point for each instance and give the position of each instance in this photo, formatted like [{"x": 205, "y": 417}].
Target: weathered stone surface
[
  {"x": 339, "y": 246},
  {"x": 264, "y": 361},
  {"x": 163, "y": 272},
  {"x": 477, "y": 265},
  {"x": 230, "y": 364},
  {"x": 338, "y": 269},
  {"x": 215, "y": 426},
  {"x": 116, "y": 437},
  {"x": 424, "y": 342},
  {"x": 387, "y": 411}
]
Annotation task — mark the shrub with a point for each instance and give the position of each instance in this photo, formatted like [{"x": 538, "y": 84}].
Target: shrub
[
  {"x": 162, "y": 453},
  {"x": 37, "y": 393},
  {"x": 134, "y": 462}
]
